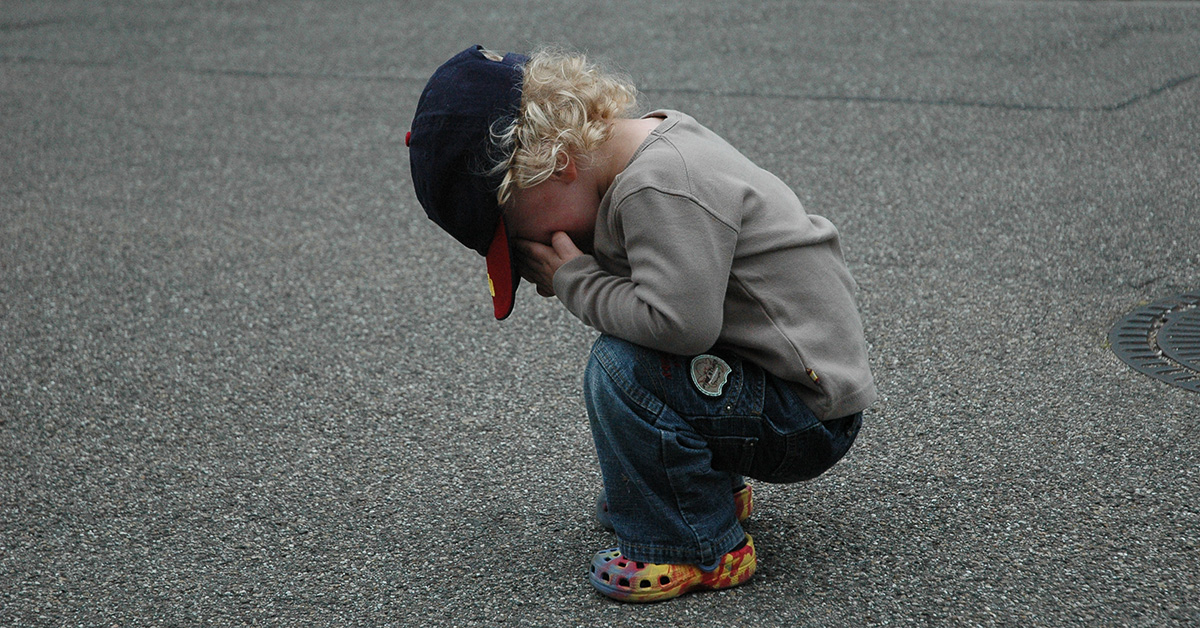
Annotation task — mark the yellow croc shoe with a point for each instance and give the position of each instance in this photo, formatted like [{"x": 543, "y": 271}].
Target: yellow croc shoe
[{"x": 629, "y": 581}]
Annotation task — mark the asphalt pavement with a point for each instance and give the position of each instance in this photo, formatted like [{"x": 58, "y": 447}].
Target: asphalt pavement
[{"x": 245, "y": 381}]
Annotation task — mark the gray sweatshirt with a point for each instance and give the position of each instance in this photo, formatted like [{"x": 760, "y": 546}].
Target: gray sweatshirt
[{"x": 696, "y": 247}]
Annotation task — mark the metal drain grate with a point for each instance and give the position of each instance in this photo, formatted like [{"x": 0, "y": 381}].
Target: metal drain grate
[
  {"x": 1180, "y": 337},
  {"x": 1162, "y": 340}
]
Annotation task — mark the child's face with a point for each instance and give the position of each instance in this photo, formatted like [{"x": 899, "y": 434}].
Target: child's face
[{"x": 554, "y": 205}]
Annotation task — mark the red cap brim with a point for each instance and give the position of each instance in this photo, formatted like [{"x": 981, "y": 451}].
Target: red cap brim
[{"x": 502, "y": 275}]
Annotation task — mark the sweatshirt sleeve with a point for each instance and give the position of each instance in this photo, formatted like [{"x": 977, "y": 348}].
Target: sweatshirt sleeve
[{"x": 679, "y": 256}]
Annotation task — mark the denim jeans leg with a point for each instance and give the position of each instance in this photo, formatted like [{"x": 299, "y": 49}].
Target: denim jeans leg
[{"x": 668, "y": 504}]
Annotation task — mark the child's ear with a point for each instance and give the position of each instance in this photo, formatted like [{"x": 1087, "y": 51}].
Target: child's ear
[{"x": 568, "y": 173}]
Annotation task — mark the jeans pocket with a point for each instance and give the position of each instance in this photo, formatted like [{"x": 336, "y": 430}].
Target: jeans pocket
[
  {"x": 806, "y": 454},
  {"x": 803, "y": 456},
  {"x": 733, "y": 454}
]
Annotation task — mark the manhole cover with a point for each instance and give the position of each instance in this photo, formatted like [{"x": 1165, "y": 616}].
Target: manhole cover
[{"x": 1162, "y": 340}]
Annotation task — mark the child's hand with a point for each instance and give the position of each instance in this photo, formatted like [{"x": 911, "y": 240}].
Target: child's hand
[{"x": 538, "y": 262}]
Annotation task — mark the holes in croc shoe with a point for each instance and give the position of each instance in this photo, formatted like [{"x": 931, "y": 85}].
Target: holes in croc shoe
[
  {"x": 664, "y": 580},
  {"x": 640, "y": 565},
  {"x": 623, "y": 582},
  {"x": 645, "y": 584},
  {"x": 604, "y": 576},
  {"x": 622, "y": 564}
]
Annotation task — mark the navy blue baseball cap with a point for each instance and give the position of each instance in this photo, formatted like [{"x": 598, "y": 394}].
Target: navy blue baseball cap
[{"x": 450, "y": 152}]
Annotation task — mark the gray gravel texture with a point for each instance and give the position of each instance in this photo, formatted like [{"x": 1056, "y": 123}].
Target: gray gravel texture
[{"x": 244, "y": 380}]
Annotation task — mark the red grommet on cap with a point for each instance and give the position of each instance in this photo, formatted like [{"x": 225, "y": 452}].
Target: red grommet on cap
[{"x": 408, "y": 139}]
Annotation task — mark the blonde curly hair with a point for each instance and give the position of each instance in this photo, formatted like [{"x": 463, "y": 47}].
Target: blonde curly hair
[{"x": 568, "y": 105}]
